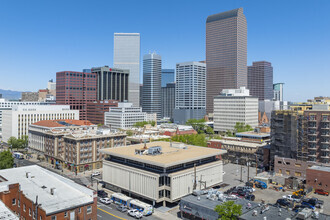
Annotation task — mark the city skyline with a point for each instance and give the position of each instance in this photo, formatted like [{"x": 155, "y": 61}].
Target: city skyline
[{"x": 41, "y": 47}]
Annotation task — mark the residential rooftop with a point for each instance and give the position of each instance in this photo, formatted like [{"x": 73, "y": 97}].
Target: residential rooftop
[
  {"x": 62, "y": 123},
  {"x": 252, "y": 134},
  {"x": 321, "y": 168},
  {"x": 6, "y": 213},
  {"x": 240, "y": 143},
  {"x": 171, "y": 153},
  {"x": 37, "y": 181}
]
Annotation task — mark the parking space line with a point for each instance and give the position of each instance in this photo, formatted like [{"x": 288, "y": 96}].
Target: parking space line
[{"x": 111, "y": 214}]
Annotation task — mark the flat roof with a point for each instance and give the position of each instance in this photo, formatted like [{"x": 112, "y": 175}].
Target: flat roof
[
  {"x": 68, "y": 194},
  {"x": 242, "y": 143},
  {"x": 170, "y": 155},
  {"x": 321, "y": 168},
  {"x": 6, "y": 213},
  {"x": 253, "y": 134}
]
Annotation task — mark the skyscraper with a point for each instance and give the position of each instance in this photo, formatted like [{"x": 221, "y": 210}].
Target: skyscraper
[
  {"x": 167, "y": 76},
  {"x": 127, "y": 56},
  {"x": 168, "y": 100},
  {"x": 278, "y": 91},
  {"x": 226, "y": 53},
  {"x": 190, "y": 91},
  {"x": 152, "y": 70},
  {"x": 260, "y": 80},
  {"x": 76, "y": 89}
]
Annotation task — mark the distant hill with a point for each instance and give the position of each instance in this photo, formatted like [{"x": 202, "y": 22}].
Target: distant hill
[{"x": 10, "y": 95}]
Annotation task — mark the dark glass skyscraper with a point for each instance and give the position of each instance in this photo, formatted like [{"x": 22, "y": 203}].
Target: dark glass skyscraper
[
  {"x": 167, "y": 76},
  {"x": 260, "y": 80},
  {"x": 226, "y": 53}
]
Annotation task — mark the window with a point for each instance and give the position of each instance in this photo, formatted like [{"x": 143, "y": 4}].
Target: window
[
  {"x": 13, "y": 202},
  {"x": 287, "y": 172},
  {"x": 89, "y": 209},
  {"x": 29, "y": 211},
  {"x": 280, "y": 171},
  {"x": 298, "y": 165},
  {"x": 54, "y": 217},
  {"x": 279, "y": 162},
  {"x": 79, "y": 210},
  {"x": 65, "y": 214},
  {"x": 19, "y": 203},
  {"x": 40, "y": 217},
  {"x": 24, "y": 207},
  {"x": 297, "y": 174}
]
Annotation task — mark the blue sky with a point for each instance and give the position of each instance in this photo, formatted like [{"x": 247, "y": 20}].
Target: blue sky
[{"x": 40, "y": 38}]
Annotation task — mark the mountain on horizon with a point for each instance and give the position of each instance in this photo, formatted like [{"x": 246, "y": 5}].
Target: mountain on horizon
[{"x": 10, "y": 94}]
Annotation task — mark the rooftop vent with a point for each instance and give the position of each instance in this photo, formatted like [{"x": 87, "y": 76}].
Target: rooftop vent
[
  {"x": 155, "y": 150},
  {"x": 28, "y": 175},
  {"x": 52, "y": 191},
  {"x": 44, "y": 187}
]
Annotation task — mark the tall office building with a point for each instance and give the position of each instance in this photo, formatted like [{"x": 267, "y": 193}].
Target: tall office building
[
  {"x": 152, "y": 70},
  {"x": 168, "y": 76},
  {"x": 168, "y": 100},
  {"x": 127, "y": 56},
  {"x": 226, "y": 53},
  {"x": 76, "y": 89},
  {"x": 260, "y": 80},
  {"x": 190, "y": 91},
  {"x": 278, "y": 91},
  {"x": 112, "y": 83}
]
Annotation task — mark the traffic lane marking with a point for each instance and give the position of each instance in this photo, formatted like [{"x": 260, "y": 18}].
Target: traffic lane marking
[{"x": 111, "y": 214}]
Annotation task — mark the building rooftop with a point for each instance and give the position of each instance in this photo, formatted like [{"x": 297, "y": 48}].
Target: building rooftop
[
  {"x": 62, "y": 123},
  {"x": 6, "y": 213},
  {"x": 253, "y": 134},
  {"x": 223, "y": 15},
  {"x": 36, "y": 181},
  {"x": 177, "y": 154},
  {"x": 240, "y": 143},
  {"x": 320, "y": 168}
]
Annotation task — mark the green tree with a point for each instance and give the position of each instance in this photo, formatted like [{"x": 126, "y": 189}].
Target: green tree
[
  {"x": 153, "y": 123},
  {"x": 228, "y": 210},
  {"x": 6, "y": 160},
  {"x": 197, "y": 124},
  {"x": 209, "y": 130},
  {"x": 129, "y": 133},
  {"x": 24, "y": 141},
  {"x": 13, "y": 142},
  {"x": 241, "y": 127}
]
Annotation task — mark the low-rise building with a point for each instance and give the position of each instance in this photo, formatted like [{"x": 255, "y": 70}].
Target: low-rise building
[
  {"x": 125, "y": 116},
  {"x": 318, "y": 177},
  {"x": 17, "y": 120},
  {"x": 161, "y": 171},
  {"x": 96, "y": 110},
  {"x": 33, "y": 192},
  {"x": 79, "y": 150},
  {"x": 6, "y": 213},
  {"x": 291, "y": 167}
]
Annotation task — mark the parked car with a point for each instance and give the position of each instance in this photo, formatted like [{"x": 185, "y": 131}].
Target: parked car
[
  {"x": 102, "y": 194},
  {"x": 106, "y": 200},
  {"x": 308, "y": 205},
  {"x": 283, "y": 202},
  {"x": 249, "y": 189},
  {"x": 96, "y": 173},
  {"x": 292, "y": 198},
  {"x": 122, "y": 208},
  {"x": 135, "y": 213},
  {"x": 250, "y": 197},
  {"x": 243, "y": 193},
  {"x": 321, "y": 192}
]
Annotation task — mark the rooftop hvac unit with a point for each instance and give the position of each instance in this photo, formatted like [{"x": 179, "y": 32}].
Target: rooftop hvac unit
[{"x": 154, "y": 150}]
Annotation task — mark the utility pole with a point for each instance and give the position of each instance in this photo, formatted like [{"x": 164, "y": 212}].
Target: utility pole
[
  {"x": 195, "y": 178},
  {"x": 202, "y": 182},
  {"x": 248, "y": 167},
  {"x": 241, "y": 172}
]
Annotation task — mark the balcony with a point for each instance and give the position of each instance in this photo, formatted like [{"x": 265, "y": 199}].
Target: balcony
[
  {"x": 312, "y": 134},
  {"x": 311, "y": 155},
  {"x": 325, "y": 156},
  {"x": 311, "y": 147},
  {"x": 325, "y": 127},
  {"x": 326, "y": 149},
  {"x": 311, "y": 141},
  {"x": 325, "y": 135},
  {"x": 325, "y": 142}
]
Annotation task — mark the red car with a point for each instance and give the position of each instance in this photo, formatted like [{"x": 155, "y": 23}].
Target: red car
[{"x": 321, "y": 192}]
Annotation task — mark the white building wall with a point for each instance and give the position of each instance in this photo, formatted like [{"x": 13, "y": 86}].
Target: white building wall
[
  {"x": 16, "y": 121},
  {"x": 182, "y": 182},
  {"x": 131, "y": 179}
]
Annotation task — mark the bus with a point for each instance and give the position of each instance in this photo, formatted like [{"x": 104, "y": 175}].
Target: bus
[
  {"x": 120, "y": 199},
  {"x": 145, "y": 208},
  {"x": 18, "y": 155}
]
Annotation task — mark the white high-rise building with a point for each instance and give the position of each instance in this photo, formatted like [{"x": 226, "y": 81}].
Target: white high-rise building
[
  {"x": 17, "y": 120},
  {"x": 7, "y": 105},
  {"x": 232, "y": 106},
  {"x": 125, "y": 116},
  {"x": 127, "y": 56},
  {"x": 152, "y": 76},
  {"x": 190, "y": 91}
]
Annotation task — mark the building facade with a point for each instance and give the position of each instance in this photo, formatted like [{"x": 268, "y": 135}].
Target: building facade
[
  {"x": 96, "y": 110},
  {"x": 125, "y": 116},
  {"x": 30, "y": 97},
  {"x": 112, "y": 83},
  {"x": 278, "y": 91},
  {"x": 318, "y": 177},
  {"x": 17, "y": 120},
  {"x": 232, "y": 106},
  {"x": 226, "y": 53},
  {"x": 168, "y": 100},
  {"x": 291, "y": 167},
  {"x": 76, "y": 89},
  {"x": 32, "y": 192},
  {"x": 152, "y": 71},
  {"x": 161, "y": 171},
  {"x": 190, "y": 91},
  {"x": 127, "y": 56},
  {"x": 168, "y": 76},
  {"x": 260, "y": 80}
]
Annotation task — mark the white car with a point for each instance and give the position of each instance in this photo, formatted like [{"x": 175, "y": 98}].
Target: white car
[
  {"x": 106, "y": 201},
  {"x": 96, "y": 173},
  {"x": 135, "y": 213}
]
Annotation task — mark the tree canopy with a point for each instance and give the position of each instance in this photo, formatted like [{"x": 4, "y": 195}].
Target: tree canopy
[
  {"x": 193, "y": 139},
  {"x": 6, "y": 160},
  {"x": 228, "y": 210},
  {"x": 141, "y": 124},
  {"x": 241, "y": 127},
  {"x": 18, "y": 143}
]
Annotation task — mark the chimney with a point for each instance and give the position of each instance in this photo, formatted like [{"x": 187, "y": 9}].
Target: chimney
[
  {"x": 28, "y": 175},
  {"x": 52, "y": 191}
]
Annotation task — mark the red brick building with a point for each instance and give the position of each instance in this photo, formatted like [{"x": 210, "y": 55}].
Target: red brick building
[
  {"x": 32, "y": 192},
  {"x": 96, "y": 109},
  {"x": 76, "y": 89},
  {"x": 318, "y": 177}
]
